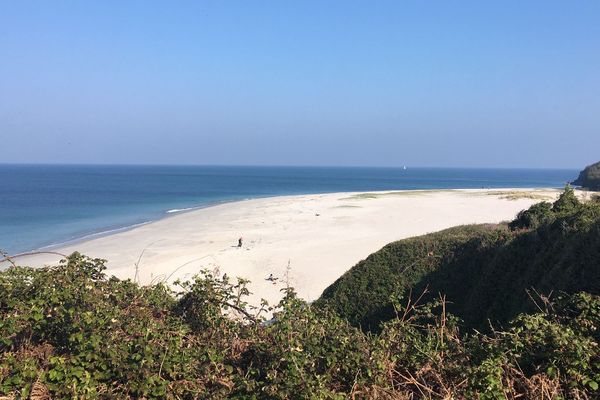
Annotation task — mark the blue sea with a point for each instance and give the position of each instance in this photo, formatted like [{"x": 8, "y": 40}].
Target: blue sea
[{"x": 45, "y": 205}]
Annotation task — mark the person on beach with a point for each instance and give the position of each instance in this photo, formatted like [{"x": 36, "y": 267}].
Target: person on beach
[{"x": 240, "y": 242}]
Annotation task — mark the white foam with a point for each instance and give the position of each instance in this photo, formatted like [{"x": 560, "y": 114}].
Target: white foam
[
  {"x": 176, "y": 210},
  {"x": 94, "y": 235}
]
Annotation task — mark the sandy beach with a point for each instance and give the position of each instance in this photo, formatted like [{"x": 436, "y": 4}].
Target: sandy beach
[{"x": 320, "y": 236}]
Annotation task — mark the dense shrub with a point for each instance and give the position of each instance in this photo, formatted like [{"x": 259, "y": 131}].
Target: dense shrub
[
  {"x": 71, "y": 332},
  {"x": 84, "y": 335},
  {"x": 544, "y": 213},
  {"x": 76, "y": 333},
  {"x": 363, "y": 294},
  {"x": 567, "y": 202},
  {"x": 536, "y": 215},
  {"x": 545, "y": 355}
]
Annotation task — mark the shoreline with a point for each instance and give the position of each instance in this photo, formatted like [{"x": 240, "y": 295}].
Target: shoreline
[
  {"x": 114, "y": 230},
  {"x": 319, "y": 235},
  {"x": 111, "y": 230}
]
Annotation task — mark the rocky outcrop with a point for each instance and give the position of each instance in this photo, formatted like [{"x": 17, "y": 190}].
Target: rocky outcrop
[{"x": 589, "y": 178}]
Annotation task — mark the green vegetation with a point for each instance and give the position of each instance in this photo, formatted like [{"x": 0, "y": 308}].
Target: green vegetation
[
  {"x": 364, "y": 294},
  {"x": 485, "y": 271},
  {"x": 589, "y": 178},
  {"x": 72, "y": 332},
  {"x": 536, "y": 215}
]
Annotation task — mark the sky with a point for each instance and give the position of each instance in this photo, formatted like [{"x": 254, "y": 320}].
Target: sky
[{"x": 357, "y": 83}]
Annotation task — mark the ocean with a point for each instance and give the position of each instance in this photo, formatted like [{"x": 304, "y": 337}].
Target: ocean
[{"x": 46, "y": 205}]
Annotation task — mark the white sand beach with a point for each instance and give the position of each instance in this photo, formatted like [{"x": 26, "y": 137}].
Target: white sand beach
[{"x": 321, "y": 236}]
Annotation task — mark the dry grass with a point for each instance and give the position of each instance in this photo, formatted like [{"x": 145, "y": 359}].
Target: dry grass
[
  {"x": 502, "y": 194},
  {"x": 403, "y": 193},
  {"x": 517, "y": 194},
  {"x": 524, "y": 195}
]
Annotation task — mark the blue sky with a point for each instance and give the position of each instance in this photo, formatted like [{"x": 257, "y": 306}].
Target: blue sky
[{"x": 384, "y": 83}]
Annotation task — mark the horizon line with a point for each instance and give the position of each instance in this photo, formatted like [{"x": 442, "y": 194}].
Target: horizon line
[{"x": 280, "y": 166}]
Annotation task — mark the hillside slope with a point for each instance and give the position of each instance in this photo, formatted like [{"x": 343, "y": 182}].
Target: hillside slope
[{"x": 485, "y": 271}]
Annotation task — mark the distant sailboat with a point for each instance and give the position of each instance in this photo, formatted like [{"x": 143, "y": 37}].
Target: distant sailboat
[{"x": 404, "y": 167}]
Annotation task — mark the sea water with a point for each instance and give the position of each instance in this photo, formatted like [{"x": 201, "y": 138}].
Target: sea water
[{"x": 44, "y": 205}]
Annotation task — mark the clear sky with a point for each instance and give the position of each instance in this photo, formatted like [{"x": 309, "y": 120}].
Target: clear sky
[{"x": 382, "y": 83}]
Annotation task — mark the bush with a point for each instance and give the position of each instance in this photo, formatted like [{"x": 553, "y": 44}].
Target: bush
[
  {"x": 536, "y": 215},
  {"x": 71, "y": 332},
  {"x": 567, "y": 202}
]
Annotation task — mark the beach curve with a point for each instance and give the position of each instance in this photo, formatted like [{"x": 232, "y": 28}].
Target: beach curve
[{"x": 319, "y": 236}]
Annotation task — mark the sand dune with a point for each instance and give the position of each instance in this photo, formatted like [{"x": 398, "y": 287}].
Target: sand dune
[{"x": 320, "y": 236}]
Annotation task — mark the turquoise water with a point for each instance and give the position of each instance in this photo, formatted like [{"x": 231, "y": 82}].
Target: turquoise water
[{"x": 43, "y": 205}]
